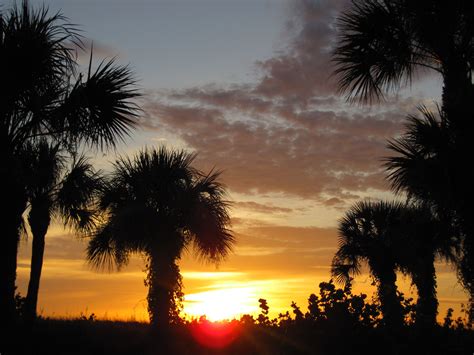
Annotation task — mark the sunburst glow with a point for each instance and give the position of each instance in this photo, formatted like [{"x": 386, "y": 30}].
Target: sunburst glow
[{"x": 221, "y": 304}]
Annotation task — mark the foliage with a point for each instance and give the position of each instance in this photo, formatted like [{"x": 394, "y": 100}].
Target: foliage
[
  {"x": 44, "y": 97},
  {"x": 336, "y": 322},
  {"x": 158, "y": 205}
]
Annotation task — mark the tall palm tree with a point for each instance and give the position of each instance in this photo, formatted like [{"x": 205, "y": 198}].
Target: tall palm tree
[
  {"x": 41, "y": 95},
  {"x": 367, "y": 234},
  {"x": 382, "y": 45},
  {"x": 158, "y": 205},
  {"x": 54, "y": 190}
]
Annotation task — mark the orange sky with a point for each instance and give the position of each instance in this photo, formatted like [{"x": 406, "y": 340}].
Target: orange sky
[{"x": 279, "y": 263}]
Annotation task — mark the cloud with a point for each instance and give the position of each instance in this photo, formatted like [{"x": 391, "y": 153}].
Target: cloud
[
  {"x": 304, "y": 70},
  {"x": 261, "y": 208},
  {"x": 202, "y": 275},
  {"x": 258, "y": 250},
  {"x": 305, "y": 154},
  {"x": 288, "y": 131}
]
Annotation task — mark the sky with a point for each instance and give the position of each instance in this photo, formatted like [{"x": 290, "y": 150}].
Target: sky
[{"x": 248, "y": 86}]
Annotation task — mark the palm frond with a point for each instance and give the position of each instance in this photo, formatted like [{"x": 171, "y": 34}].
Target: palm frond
[
  {"x": 421, "y": 153},
  {"x": 104, "y": 253},
  {"x": 375, "y": 51},
  {"x": 43, "y": 163},
  {"x": 77, "y": 195},
  {"x": 210, "y": 220},
  {"x": 35, "y": 58},
  {"x": 101, "y": 110}
]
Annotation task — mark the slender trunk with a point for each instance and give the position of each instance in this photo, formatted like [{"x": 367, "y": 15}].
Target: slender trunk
[
  {"x": 39, "y": 220},
  {"x": 8, "y": 264},
  {"x": 389, "y": 301},
  {"x": 11, "y": 221},
  {"x": 427, "y": 304},
  {"x": 458, "y": 96},
  {"x": 162, "y": 281}
]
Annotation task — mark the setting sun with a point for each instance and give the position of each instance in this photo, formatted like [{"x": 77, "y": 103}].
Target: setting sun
[{"x": 221, "y": 304}]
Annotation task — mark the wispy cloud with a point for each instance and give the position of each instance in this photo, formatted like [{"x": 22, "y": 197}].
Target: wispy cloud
[
  {"x": 205, "y": 275},
  {"x": 258, "y": 251},
  {"x": 261, "y": 208}
]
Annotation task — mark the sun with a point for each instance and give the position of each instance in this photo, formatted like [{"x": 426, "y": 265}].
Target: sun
[{"x": 220, "y": 304}]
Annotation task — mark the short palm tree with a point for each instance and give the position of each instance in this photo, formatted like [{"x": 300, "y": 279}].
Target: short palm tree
[
  {"x": 43, "y": 96},
  {"x": 55, "y": 190},
  {"x": 158, "y": 205},
  {"x": 366, "y": 235},
  {"x": 425, "y": 238}
]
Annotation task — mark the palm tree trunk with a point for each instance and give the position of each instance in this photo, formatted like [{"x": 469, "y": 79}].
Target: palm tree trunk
[
  {"x": 15, "y": 203},
  {"x": 8, "y": 264},
  {"x": 389, "y": 300},
  {"x": 39, "y": 220},
  {"x": 458, "y": 94},
  {"x": 427, "y": 304},
  {"x": 162, "y": 280}
]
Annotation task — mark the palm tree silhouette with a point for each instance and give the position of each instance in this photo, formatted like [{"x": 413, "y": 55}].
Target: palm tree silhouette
[
  {"x": 426, "y": 167},
  {"x": 366, "y": 235},
  {"x": 410, "y": 238},
  {"x": 42, "y": 96},
  {"x": 158, "y": 205},
  {"x": 383, "y": 45},
  {"x": 53, "y": 190},
  {"x": 424, "y": 238},
  {"x": 420, "y": 167}
]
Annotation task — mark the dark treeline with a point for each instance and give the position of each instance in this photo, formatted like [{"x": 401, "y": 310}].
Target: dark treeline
[
  {"x": 335, "y": 321},
  {"x": 157, "y": 204}
]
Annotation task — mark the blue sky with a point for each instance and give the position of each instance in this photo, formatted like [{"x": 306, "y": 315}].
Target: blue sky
[{"x": 173, "y": 44}]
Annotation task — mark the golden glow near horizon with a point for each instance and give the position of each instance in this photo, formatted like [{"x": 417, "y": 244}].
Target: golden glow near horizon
[
  {"x": 281, "y": 259},
  {"x": 222, "y": 298},
  {"x": 221, "y": 304}
]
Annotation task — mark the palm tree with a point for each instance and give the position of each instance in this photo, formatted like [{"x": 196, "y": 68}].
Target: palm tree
[
  {"x": 366, "y": 235},
  {"x": 382, "y": 45},
  {"x": 421, "y": 153},
  {"x": 426, "y": 167},
  {"x": 54, "y": 191},
  {"x": 158, "y": 205},
  {"x": 413, "y": 237},
  {"x": 425, "y": 238},
  {"x": 42, "y": 96}
]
